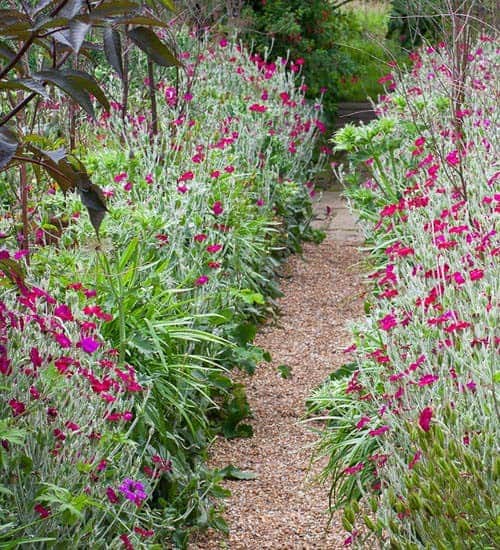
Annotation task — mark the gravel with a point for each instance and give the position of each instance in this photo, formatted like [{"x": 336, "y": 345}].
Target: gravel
[{"x": 284, "y": 508}]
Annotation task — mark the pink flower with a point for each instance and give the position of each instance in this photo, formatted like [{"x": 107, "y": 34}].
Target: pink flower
[
  {"x": 120, "y": 177},
  {"x": 63, "y": 312},
  {"x": 20, "y": 254},
  {"x": 128, "y": 186},
  {"x": 427, "y": 379},
  {"x": 112, "y": 496},
  {"x": 424, "y": 419},
  {"x": 255, "y": 107},
  {"x": 88, "y": 345},
  {"x": 453, "y": 158},
  {"x": 62, "y": 340},
  {"x": 214, "y": 174},
  {"x": 17, "y": 407},
  {"x": 149, "y": 178},
  {"x": 354, "y": 469},
  {"x": 200, "y": 237},
  {"x": 379, "y": 431},
  {"x": 458, "y": 278},
  {"x": 41, "y": 511},
  {"x": 223, "y": 42},
  {"x": 214, "y": 265},
  {"x": 200, "y": 281},
  {"x": 416, "y": 457},
  {"x": 388, "y": 322},
  {"x": 187, "y": 176},
  {"x": 476, "y": 274},
  {"x": 217, "y": 208},
  {"x": 362, "y": 422},
  {"x": 229, "y": 169},
  {"x": 182, "y": 189},
  {"x": 34, "y": 392},
  {"x": 212, "y": 248}
]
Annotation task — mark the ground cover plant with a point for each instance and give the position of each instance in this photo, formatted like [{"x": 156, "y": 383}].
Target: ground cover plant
[
  {"x": 116, "y": 348},
  {"x": 412, "y": 420}
]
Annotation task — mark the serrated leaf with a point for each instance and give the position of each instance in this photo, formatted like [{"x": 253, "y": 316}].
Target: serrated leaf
[
  {"x": 113, "y": 50},
  {"x": 153, "y": 47},
  {"x": 8, "y": 146}
]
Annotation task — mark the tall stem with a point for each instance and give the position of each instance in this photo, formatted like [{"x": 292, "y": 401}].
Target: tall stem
[
  {"x": 152, "y": 97},
  {"x": 23, "y": 177}
]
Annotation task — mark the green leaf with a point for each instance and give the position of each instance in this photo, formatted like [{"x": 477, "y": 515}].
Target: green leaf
[
  {"x": 8, "y": 146},
  {"x": 231, "y": 472},
  {"x": 285, "y": 371},
  {"x": 153, "y": 47},
  {"x": 113, "y": 50},
  {"x": 244, "y": 333}
]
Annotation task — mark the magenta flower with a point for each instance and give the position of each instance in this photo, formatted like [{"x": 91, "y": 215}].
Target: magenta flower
[
  {"x": 351, "y": 470},
  {"x": 149, "y": 178},
  {"x": 41, "y": 511},
  {"x": 200, "y": 237},
  {"x": 62, "y": 340},
  {"x": 424, "y": 419},
  {"x": 187, "y": 176},
  {"x": 63, "y": 312},
  {"x": 388, "y": 322},
  {"x": 416, "y": 457},
  {"x": 213, "y": 248},
  {"x": 453, "y": 158},
  {"x": 120, "y": 177},
  {"x": 112, "y": 496},
  {"x": 214, "y": 174},
  {"x": 89, "y": 345},
  {"x": 200, "y": 281},
  {"x": 362, "y": 422},
  {"x": 427, "y": 380},
  {"x": 379, "y": 431},
  {"x": 133, "y": 491},
  {"x": 214, "y": 265},
  {"x": 17, "y": 407},
  {"x": 256, "y": 108},
  {"x": 476, "y": 274},
  {"x": 217, "y": 208},
  {"x": 182, "y": 189}
]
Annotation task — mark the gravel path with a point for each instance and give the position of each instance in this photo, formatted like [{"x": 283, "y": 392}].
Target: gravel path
[{"x": 282, "y": 508}]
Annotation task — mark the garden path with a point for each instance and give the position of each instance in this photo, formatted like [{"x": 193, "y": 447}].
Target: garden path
[{"x": 282, "y": 508}]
